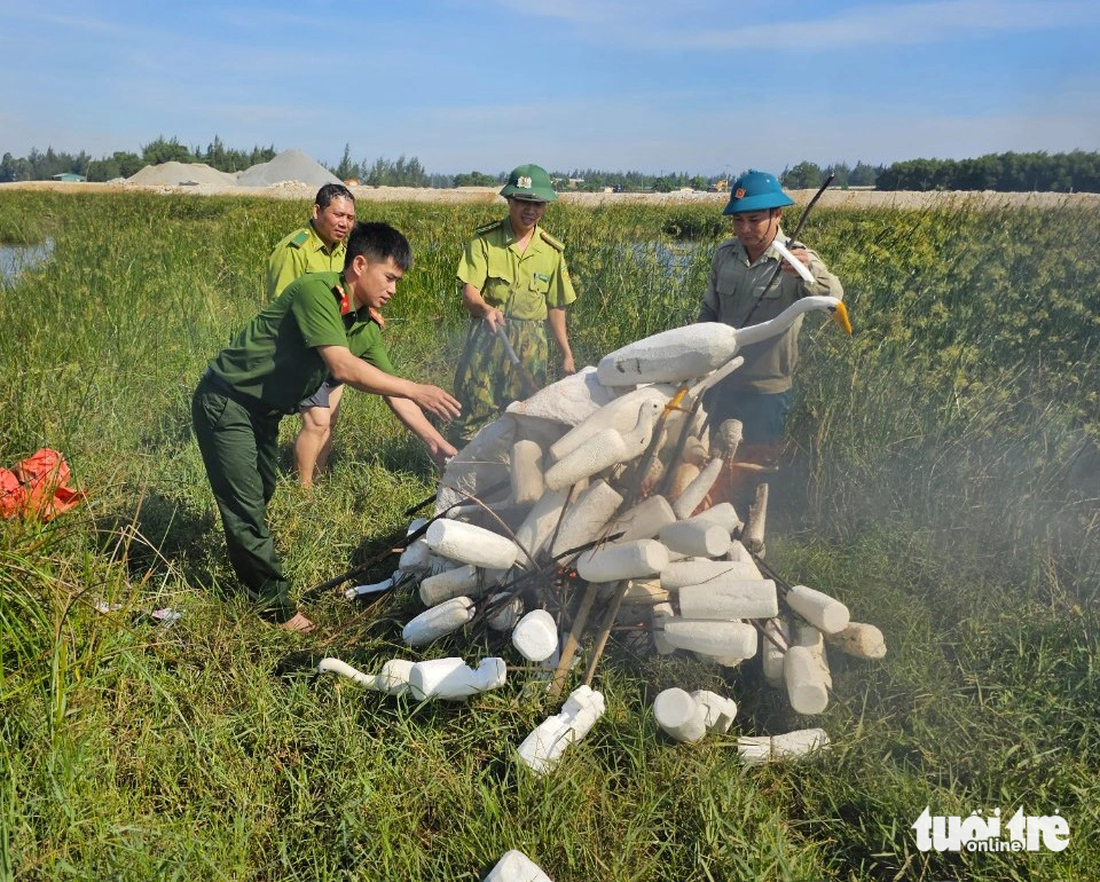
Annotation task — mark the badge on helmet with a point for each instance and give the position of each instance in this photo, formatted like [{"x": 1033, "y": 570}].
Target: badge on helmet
[
  {"x": 756, "y": 191},
  {"x": 530, "y": 182}
]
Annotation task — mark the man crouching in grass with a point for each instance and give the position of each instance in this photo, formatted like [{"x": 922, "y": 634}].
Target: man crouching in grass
[{"x": 323, "y": 324}]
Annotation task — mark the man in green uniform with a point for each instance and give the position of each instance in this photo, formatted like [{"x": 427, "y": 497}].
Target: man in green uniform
[
  {"x": 759, "y": 392},
  {"x": 316, "y": 247},
  {"x": 513, "y": 280},
  {"x": 323, "y": 324}
]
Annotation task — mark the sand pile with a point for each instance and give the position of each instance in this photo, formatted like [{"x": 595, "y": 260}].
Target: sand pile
[
  {"x": 290, "y": 165},
  {"x": 172, "y": 174}
]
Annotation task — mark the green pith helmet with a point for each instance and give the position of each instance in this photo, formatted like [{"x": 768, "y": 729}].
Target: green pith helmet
[
  {"x": 756, "y": 191},
  {"x": 531, "y": 183}
]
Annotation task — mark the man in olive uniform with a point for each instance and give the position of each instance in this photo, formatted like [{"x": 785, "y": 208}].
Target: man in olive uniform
[
  {"x": 513, "y": 279},
  {"x": 316, "y": 247},
  {"x": 759, "y": 392},
  {"x": 323, "y": 324}
]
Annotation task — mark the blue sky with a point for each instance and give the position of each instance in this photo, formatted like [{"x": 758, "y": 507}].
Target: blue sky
[{"x": 680, "y": 85}]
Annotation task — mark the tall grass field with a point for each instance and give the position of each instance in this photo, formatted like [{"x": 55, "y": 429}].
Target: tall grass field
[{"x": 941, "y": 478}]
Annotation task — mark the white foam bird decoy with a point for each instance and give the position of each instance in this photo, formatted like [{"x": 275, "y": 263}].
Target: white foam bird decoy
[
  {"x": 695, "y": 350},
  {"x": 605, "y": 449}
]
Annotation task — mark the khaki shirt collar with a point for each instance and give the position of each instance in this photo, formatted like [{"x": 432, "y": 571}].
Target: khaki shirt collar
[
  {"x": 317, "y": 243},
  {"x": 509, "y": 234}
]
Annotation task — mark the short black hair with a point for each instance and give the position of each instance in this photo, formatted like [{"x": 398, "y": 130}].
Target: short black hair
[
  {"x": 329, "y": 192},
  {"x": 378, "y": 242}
]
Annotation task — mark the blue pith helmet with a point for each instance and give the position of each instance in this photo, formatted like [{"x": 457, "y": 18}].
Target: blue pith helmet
[{"x": 756, "y": 191}]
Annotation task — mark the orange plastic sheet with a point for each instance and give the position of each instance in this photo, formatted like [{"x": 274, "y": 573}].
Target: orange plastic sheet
[{"x": 36, "y": 487}]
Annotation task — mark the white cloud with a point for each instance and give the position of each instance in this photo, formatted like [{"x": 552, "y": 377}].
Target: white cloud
[{"x": 662, "y": 25}]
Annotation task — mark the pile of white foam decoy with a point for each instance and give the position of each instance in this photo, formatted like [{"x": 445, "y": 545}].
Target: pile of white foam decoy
[{"x": 592, "y": 497}]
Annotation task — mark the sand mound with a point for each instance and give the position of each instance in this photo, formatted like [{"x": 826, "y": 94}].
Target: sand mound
[
  {"x": 172, "y": 174},
  {"x": 290, "y": 165}
]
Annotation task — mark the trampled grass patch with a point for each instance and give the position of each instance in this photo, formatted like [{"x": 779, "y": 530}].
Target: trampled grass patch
[{"x": 937, "y": 481}]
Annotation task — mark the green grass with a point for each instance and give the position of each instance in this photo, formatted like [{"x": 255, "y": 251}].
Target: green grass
[{"x": 930, "y": 485}]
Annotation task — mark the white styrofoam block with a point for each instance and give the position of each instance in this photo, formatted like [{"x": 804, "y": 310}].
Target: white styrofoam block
[
  {"x": 695, "y": 452},
  {"x": 825, "y": 613},
  {"x": 730, "y": 640},
  {"x": 790, "y": 745},
  {"x": 415, "y": 556},
  {"x": 771, "y": 655},
  {"x": 719, "y": 710},
  {"x": 452, "y": 583},
  {"x": 723, "y": 514},
  {"x": 571, "y": 400},
  {"x": 662, "y": 613},
  {"x": 805, "y": 685},
  {"x": 682, "y": 476},
  {"x": 670, "y": 356},
  {"x": 814, "y": 640},
  {"x": 439, "y": 620},
  {"x": 860, "y": 640},
  {"x": 471, "y": 544},
  {"x": 539, "y": 525},
  {"x": 703, "y": 571},
  {"x": 728, "y": 438},
  {"x": 623, "y": 560},
  {"x": 620, "y": 414},
  {"x": 542, "y": 749},
  {"x": 452, "y": 679},
  {"x": 599, "y": 452},
  {"x": 738, "y": 552},
  {"x": 587, "y": 516},
  {"x": 644, "y": 521},
  {"x": 695, "y": 538},
  {"x": 526, "y": 471},
  {"x": 679, "y": 715},
  {"x": 732, "y": 600},
  {"x": 535, "y": 636},
  {"x": 695, "y": 492},
  {"x": 515, "y": 866},
  {"x": 644, "y": 592}
]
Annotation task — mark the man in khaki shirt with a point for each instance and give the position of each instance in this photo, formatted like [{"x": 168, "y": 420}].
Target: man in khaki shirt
[
  {"x": 759, "y": 392},
  {"x": 513, "y": 280},
  {"x": 319, "y": 246}
]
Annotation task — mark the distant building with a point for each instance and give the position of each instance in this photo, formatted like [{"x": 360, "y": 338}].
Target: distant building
[{"x": 69, "y": 178}]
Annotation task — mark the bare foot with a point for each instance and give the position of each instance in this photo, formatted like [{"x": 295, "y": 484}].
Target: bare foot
[{"x": 299, "y": 624}]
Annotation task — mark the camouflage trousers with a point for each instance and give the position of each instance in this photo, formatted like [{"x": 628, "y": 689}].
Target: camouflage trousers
[{"x": 486, "y": 381}]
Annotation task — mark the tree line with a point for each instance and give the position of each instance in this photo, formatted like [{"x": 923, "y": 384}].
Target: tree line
[
  {"x": 41, "y": 166},
  {"x": 1076, "y": 171}
]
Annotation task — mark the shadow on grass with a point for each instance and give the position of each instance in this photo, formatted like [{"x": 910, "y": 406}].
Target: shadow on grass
[{"x": 159, "y": 536}]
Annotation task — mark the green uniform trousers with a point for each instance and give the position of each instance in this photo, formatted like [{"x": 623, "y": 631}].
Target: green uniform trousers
[
  {"x": 485, "y": 380},
  {"x": 239, "y": 445}
]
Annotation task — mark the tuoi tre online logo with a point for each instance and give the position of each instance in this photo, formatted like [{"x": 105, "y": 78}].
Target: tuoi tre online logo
[{"x": 986, "y": 833}]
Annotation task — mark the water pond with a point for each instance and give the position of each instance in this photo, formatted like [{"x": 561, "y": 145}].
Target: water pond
[{"x": 14, "y": 259}]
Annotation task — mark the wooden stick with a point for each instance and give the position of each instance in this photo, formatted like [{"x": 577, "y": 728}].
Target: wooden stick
[
  {"x": 608, "y": 622},
  {"x": 580, "y": 620}
]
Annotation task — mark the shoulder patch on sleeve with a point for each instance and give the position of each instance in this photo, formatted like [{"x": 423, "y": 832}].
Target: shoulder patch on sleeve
[
  {"x": 488, "y": 228},
  {"x": 300, "y": 239},
  {"x": 556, "y": 244}
]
